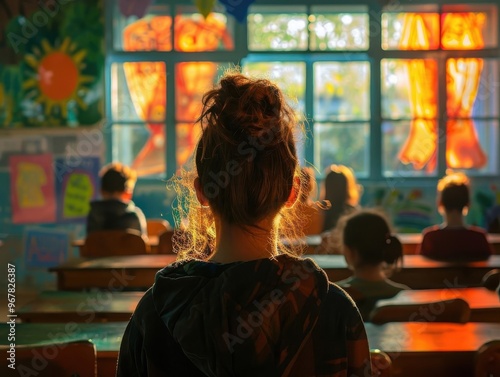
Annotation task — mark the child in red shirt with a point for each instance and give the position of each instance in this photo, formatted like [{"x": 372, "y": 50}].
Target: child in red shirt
[{"x": 453, "y": 240}]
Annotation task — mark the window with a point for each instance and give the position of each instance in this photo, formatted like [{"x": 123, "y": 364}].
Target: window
[{"x": 406, "y": 90}]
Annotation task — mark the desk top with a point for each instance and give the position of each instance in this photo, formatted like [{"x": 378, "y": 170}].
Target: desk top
[
  {"x": 155, "y": 261},
  {"x": 151, "y": 241},
  {"x": 59, "y": 302},
  {"x": 409, "y": 262},
  {"x": 106, "y": 336},
  {"x": 477, "y": 298},
  {"x": 143, "y": 261},
  {"x": 416, "y": 238},
  {"x": 391, "y": 337},
  {"x": 431, "y": 337}
]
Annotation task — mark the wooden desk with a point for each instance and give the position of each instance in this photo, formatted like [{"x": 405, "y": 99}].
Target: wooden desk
[
  {"x": 419, "y": 272},
  {"x": 431, "y": 349},
  {"x": 106, "y": 336},
  {"x": 410, "y": 242},
  {"x": 64, "y": 306},
  {"x": 131, "y": 272},
  {"x": 152, "y": 241},
  {"x": 138, "y": 271},
  {"x": 484, "y": 304}
]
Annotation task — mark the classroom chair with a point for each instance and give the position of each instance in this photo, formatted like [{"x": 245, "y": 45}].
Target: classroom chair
[
  {"x": 488, "y": 360},
  {"x": 491, "y": 280},
  {"x": 381, "y": 363},
  {"x": 454, "y": 310},
  {"x": 108, "y": 243},
  {"x": 77, "y": 358},
  {"x": 157, "y": 226},
  {"x": 165, "y": 244}
]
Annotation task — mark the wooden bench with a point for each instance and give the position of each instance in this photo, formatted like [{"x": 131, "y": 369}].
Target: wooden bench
[
  {"x": 97, "y": 306},
  {"x": 484, "y": 304}
]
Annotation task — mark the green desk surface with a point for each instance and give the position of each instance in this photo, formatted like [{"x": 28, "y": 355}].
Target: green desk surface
[
  {"x": 106, "y": 336},
  {"x": 61, "y": 306}
]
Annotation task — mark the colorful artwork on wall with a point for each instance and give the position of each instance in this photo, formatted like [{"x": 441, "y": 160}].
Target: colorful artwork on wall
[
  {"x": 32, "y": 189},
  {"x": 51, "y": 64},
  {"x": 45, "y": 247},
  {"x": 76, "y": 187}
]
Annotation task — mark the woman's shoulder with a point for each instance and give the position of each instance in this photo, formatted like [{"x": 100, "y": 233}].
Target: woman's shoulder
[{"x": 339, "y": 297}]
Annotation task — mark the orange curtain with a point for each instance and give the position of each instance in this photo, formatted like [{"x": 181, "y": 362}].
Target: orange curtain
[
  {"x": 147, "y": 84},
  {"x": 147, "y": 80},
  {"x": 459, "y": 31}
]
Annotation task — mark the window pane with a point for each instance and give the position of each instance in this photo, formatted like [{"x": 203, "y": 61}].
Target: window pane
[
  {"x": 151, "y": 31},
  {"x": 472, "y": 87},
  {"x": 140, "y": 146},
  {"x": 193, "y": 32},
  {"x": 289, "y": 76},
  {"x": 187, "y": 135},
  {"x": 138, "y": 91},
  {"x": 342, "y": 90},
  {"x": 338, "y": 31},
  {"x": 409, "y": 148},
  {"x": 469, "y": 27},
  {"x": 277, "y": 31},
  {"x": 410, "y": 31},
  {"x": 341, "y": 143},
  {"x": 409, "y": 88},
  {"x": 193, "y": 79},
  {"x": 472, "y": 144}
]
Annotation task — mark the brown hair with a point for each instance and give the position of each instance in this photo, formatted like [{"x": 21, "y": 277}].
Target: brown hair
[
  {"x": 245, "y": 160},
  {"x": 116, "y": 177},
  {"x": 340, "y": 189},
  {"x": 369, "y": 234},
  {"x": 453, "y": 191},
  {"x": 307, "y": 184}
]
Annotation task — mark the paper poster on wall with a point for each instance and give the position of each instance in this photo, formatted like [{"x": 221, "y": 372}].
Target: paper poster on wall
[
  {"x": 32, "y": 189},
  {"x": 76, "y": 185},
  {"x": 45, "y": 247}
]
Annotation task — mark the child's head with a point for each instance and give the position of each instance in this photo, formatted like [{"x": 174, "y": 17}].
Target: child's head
[
  {"x": 246, "y": 161},
  {"x": 367, "y": 240},
  {"x": 453, "y": 192},
  {"x": 340, "y": 186},
  {"x": 117, "y": 180}
]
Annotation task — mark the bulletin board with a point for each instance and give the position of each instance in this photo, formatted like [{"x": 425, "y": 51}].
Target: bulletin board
[{"x": 50, "y": 176}]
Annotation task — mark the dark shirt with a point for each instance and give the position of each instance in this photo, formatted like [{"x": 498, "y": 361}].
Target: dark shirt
[
  {"x": 268, "y": 317},
  {"x": 370, "y": 292},
  {"x": 113, "y": 214},
  {"x": 332, "y": 215},
  {"x": 455, "y": 244}
]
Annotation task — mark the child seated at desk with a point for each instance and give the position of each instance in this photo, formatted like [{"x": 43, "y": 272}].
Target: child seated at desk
[
  {"x": 372, "y": 253},
  {"x": 116, "y": 211},
  {"x": 453, "y": 240},
  {"x": 311, "y": 213}
]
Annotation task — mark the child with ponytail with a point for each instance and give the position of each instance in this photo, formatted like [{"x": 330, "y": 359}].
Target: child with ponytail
[{"x": 372, "y": 253}]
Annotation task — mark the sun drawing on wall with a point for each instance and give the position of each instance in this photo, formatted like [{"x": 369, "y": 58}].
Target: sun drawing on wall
[{"x": 56, "y": 80}]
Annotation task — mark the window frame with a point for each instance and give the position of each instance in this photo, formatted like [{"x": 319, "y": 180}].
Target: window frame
[{"x": 373, "y": 55}]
